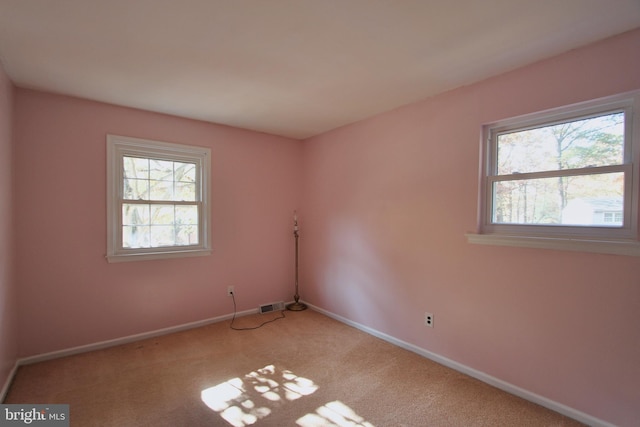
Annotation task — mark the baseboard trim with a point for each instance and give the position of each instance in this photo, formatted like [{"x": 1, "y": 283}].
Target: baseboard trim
[
  {"x": 111, "y": 343},
  {"x": 128, "y": 339},
  {"x": 482, "y": 376},
  {"x": 8, "y": 380}
]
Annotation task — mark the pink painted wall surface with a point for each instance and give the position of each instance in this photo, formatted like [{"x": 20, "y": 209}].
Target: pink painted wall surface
[
  {"x": 8, "y": 300},
  {"x": 387, "y": 202},
  {"x": 70, "y": 296}
]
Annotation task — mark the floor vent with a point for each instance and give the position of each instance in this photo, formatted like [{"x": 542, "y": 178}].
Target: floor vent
[{"x": 268, "y": 308}]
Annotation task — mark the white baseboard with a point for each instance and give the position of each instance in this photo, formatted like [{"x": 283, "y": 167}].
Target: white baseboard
[
  {"x": 131, "y": 338},
  {"x": 496, "y": 382},
  {"x": 111, "y": 343},
  {"x": 7, "y": 382},
  {"x": 486, "y": 378}
]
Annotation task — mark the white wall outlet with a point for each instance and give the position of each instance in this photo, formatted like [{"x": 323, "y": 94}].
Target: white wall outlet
[
  {"x": 428, "y": 319},
  {"x": 230, "y": 291}
]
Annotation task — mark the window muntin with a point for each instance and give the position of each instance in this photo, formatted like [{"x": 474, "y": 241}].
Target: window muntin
[
  {"x": 556, "y": 173},
  {"x": 157, "y": 199}
]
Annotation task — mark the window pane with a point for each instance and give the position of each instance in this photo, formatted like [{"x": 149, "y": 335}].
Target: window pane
[
  {"x": 162, "y": 215},
  {"x": 185, "y": 192},
  {"x": 161, "y": 190},
  {"x": 575, "y": 200},
  {"x": 596, "y": 141},
  {"x": 162, "y": 235},
  {"x": 136, "y": 189},
  {"x": 185, "y": 172},
  {"x": 161, "y": 170},
  {"x": 187, "y": 235},
  {"x": 187, "y": 215},
  {"x": 134, "y": 214},
  {"x": 135, "y": 167},
  {"x": 135, "y": 236}
]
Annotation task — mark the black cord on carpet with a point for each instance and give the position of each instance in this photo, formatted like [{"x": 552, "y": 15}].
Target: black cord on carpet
[{"x": 233, "y": 297}]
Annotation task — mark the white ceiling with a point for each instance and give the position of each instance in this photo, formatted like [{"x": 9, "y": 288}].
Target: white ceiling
[{"x": 295, "y": 68}]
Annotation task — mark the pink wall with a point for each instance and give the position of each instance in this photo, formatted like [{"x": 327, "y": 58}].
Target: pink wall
[
  {"x": 385, "y": 207},
  {"x": 8, "y": 310},
  {"x": 387, "y": 202},
  {"x": 69, "y": 295}
]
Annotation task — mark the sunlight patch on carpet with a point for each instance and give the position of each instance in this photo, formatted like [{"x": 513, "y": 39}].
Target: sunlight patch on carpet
[
  {"x": 244, "y": 401},
  {"x": 333, "y": 413}
]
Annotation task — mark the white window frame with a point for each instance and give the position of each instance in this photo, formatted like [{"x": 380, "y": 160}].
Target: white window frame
[
  {"x": 120, "y": 146},
  {"x": 615, "y": 240}
]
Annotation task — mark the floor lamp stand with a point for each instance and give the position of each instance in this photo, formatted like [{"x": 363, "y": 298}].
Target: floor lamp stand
[{"x": 297, "y": 305}]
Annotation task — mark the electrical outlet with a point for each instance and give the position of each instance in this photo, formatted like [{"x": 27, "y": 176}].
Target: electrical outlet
[
  {"x": 230, "y": 291},
  {"x": 428, "y": 319}
]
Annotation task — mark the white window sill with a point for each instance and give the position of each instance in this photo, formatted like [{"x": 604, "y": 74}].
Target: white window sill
[
  {"x": 615, "y": 247},
  {"x": 146, "y": 256}
]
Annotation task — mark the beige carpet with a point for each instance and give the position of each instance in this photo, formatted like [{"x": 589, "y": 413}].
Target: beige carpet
[{"x": 306, "y": 370}]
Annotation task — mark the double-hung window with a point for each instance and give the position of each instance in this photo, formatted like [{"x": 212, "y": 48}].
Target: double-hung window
[
  {"x": 157, "y": 199},
  {"x": 566, "y": 179}
]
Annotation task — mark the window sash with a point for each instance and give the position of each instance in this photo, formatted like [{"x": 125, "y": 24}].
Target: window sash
[
  {"x": 624, "y": 231},
  {"x": 120, "y": 237},
  {"x": 516, "y": 125},
  {"x": 173, "y": 185}
]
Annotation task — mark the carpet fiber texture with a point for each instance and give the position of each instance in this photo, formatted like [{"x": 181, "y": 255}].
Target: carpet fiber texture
[{"x": 304, "y": 370}]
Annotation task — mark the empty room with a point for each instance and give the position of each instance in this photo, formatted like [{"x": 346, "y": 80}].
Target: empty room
[{"x": 320, "y": 213}]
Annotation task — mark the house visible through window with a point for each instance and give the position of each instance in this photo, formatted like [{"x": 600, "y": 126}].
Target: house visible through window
[
  {"x": 157, "y": 199},
  {"x": 612, "y": 217},
  {"x": 567, "y": 173}
]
